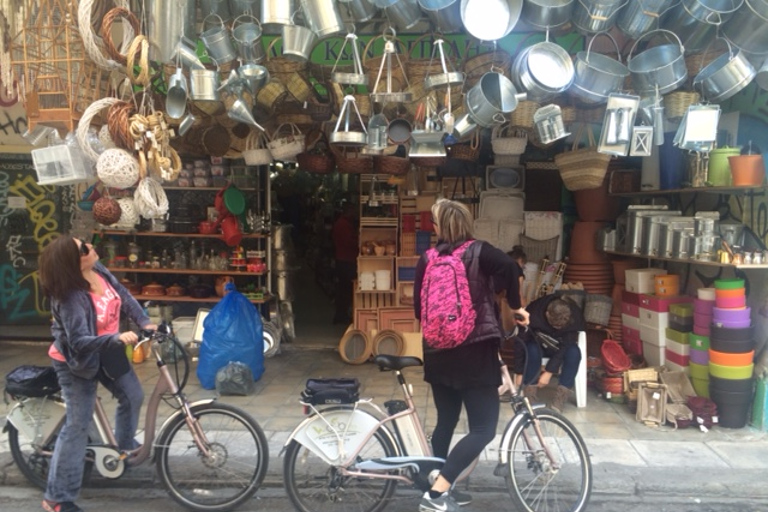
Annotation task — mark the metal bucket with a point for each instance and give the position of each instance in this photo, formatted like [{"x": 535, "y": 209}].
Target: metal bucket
[
  {"x": 217, "y": 41},
  {"x": 725, "y": 76},
  {"x": 662, "y": 66},
  {"x": 247, "y": 35},
  {"x": 748, "y": 28},
  {"x": 404, "y": 14},
  {"x": 640, "y": 16},
  {"x": 204, "y": 85},
  {"x": 298, "y": 42},
  {"x": 596, "y": 75},
  {"x": 322, "y": 17},
  {"x": 591, "y": 17},
  {"x": 218, "y": 7},
  {"x": 240, "y": 7},
  {"x": 445, "y": 15},
  {"x": 761, "y": 78},
  {"x": 546, "y": 14},
  {"x": 543, "y": 70},
  {"x": 474, "y": 16},
  {"x": 696, "y": 21},
  {"x": 492, "y": 96},
  {"x": 166, "y": 23},
  {"x": 360, "y": 10},
  {"x": 275, "y": 14}
]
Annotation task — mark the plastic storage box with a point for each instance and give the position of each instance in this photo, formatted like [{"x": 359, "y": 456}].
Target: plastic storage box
[{"x": 61, "y": 165}]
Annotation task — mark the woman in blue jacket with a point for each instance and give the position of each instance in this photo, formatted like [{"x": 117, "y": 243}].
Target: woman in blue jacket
[{"x": 86, "y": 303}]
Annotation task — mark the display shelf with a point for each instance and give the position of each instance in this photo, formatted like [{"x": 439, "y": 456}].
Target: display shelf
[
  {"x": 244, "y": 189},
  {"x": 117, "y": 232},
  {"x": 705, "y": 190},
  {"x": 689, "y": 261},
  {"x": 184, "y": 298},
  {"x": 187, "y": 271}
]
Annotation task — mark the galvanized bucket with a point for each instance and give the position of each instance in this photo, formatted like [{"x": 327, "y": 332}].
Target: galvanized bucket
[
  {"x": 298, "y": 42},
  {"x": 493, "y": 96},
  {"x": 696, "y": 21},
  {"x": 597, "y": 75},
  {"x": 445, "y": 15},
  {"x": 218, "y": 7},
  {"x": 275, "y": 14},
  {"x": 661, "y": 67},
  {"x": 204, "y": 85},
  {"x": 240, "y": 7},
  {"x": 404, "y": 14},
  {"x": 360, "y": 10},
  {"x": 247, "y": 35},
  {"x": 322, "y": 17},
  {"x": 748, "y": 28},
  {"x": 593, "y": 16},
  {"x": 546, "y": 14},
  {"x": 217, "y": 41},
  {"x": 166, "y": 23},
  {"x": 640, "y": 16}
]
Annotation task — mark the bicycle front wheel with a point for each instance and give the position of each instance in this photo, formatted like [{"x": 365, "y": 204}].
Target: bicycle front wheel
[
  {"x": 232, "y": 470},
  {"x": 551, "y": 472},
  {"x": 314, "y": 486}
]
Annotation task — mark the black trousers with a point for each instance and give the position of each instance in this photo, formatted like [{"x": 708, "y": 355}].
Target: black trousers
[{"x": 482, "y": 405}]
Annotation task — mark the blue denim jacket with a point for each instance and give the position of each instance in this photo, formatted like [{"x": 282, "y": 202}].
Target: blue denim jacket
[{"x": 74, "y": 326}]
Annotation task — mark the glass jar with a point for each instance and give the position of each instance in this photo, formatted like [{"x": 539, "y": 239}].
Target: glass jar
[
  {"x": 134, "y": 254},
  {"x": 120, "y": 262},
  {"x": 111, "y": 250},
  {"x": 155, "y": 261}
]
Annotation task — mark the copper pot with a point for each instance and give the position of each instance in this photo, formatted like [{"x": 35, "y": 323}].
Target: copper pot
[
  {"x": 175, "y": 290},
  {"x": 153, "y": 289}
]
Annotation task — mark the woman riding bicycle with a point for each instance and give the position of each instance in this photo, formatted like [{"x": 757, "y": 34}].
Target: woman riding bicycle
[
  {"x": 86, "y": 302},
  {"x": 468, "y": 374}
]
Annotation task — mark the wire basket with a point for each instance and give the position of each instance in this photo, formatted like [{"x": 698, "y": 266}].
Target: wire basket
[{"x": 597, "y": 309}]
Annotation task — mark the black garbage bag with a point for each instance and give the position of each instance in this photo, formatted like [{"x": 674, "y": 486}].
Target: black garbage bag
[{"x": 235, "y": 378}]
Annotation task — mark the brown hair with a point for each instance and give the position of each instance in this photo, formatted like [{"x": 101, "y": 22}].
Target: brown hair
[
  {"x": 558, "y": 313},
  {"x": 59, "y": 267},
  {"x": 454, "y": 220}
]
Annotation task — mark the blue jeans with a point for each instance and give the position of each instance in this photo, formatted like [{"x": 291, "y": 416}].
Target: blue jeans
[
  {"x": 68, "y": 462},
  {"x": 570, "y": 367}
]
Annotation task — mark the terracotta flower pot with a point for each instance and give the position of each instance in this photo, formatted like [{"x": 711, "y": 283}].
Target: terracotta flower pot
[
  {"x": 583, "y": 243},
  {"x": 596, "y": 204}
]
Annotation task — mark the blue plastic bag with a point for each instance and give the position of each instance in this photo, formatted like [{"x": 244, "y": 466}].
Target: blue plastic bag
[{"x": 232, "y": 332}]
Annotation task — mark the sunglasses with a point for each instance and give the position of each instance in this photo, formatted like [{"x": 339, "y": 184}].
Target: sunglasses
[{"x": 84, "y": 250}]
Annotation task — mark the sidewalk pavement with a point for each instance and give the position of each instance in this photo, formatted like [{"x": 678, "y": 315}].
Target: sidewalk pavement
[{"x": 628, "y": 457}]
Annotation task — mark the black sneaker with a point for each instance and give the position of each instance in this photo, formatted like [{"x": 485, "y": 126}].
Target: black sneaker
[
  {"x": 461, "y": 498},
  {"x": 443, "y": 503},
  {"x": 64, "y": 506}
]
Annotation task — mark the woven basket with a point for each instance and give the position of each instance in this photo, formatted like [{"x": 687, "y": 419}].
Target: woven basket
[
  {"x": 522, "y": 116},
  {"x": 504, "y": 142},
  {"x": 297, "y": 86},
  {"x": 419, "y": 69},
  {"x": 583, "y": 168},
  {"x": 317, "y": 158},
  {"x": 597, "y": 309},
  {"x": 676, "y": 103},
  {"x": 372, "y": 65},
  {"x": 481, "y": 63},
  {"x": 279, "y": 65},
  {"x": 350, "y": 160},
  {"x": 271, "y": 94},
  {"x": 256, "y": 151},
  {"x": 287, "y": 142},
  {"x": 615, "y": 360},
  {"x": 393, "y": 165},
  {"x": 468, "y": 151}
]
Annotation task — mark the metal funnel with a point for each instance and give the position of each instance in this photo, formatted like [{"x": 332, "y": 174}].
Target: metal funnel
[{"x": 239, "y": 111}]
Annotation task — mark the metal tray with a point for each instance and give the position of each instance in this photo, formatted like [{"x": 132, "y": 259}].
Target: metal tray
[{"x": 349, "y": 78}]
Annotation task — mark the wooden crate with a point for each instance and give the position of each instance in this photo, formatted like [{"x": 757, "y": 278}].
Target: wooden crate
[
  {"x": 380, "y": 235},
  {"x": 374, "y": 300},
  {"x": 405, "y": 294},
  {"x": 374, "y": 263},
  {"x": 398, "y": 319},
  {"x": 406, "y": 268},
  {"x": 408, "y": 244},
  {"x": 366, "y": 320},
  {"x": 424, "y": 202}
]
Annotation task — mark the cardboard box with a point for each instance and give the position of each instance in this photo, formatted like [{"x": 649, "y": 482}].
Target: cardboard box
[{"x": 640, "y": 280}]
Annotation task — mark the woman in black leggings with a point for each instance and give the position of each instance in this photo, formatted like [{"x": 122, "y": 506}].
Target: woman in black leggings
[{"x": 468, "y": 374}]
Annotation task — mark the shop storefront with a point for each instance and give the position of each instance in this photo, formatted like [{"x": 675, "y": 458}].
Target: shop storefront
[{"x": 585, "y": 133}]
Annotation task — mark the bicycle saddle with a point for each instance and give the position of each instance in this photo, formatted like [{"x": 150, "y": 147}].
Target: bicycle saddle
[{"x": 389, "y": 362}]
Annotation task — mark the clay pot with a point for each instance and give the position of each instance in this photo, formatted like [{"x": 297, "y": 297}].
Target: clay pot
[
  {"x": 153, "y": 289},
  {"x": 596, "y": 204},
  {"x": 747, "y": 170},
  {"x": 583, "y": 243},
  {"x": 620, "y": 266},
  {"x": 175, "y": 290}
]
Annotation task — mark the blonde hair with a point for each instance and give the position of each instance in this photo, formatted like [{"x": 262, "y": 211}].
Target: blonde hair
[{"x": 454, "y": 220}]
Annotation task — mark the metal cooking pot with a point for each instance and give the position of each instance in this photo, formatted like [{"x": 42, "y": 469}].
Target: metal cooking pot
[
  {"x": 597, "y": 75},
  {"x": 404, "y": 14},
  {"x": 543, "y": 70},
  {"x": 546, "y": 14},
  {"x": 492, "y": 96},
  {"x": 444, "y": 14},
  {"x": 748, "y": 28},
  {"x": 662, "y": 66},
  {"x": 696, "y": 21},
  {"x": 281, "y": 236},
  {"x": 476, "y": 19},
  {"x": 322, "y": 17},
  {"x": 725, "y": 76},
  {"x": 593, "y": 16},
  {"x": 360, "y": 10},
  {"x": 639, "y": 17}
]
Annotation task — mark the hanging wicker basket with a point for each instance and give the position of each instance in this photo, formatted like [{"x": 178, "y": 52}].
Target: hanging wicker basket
[
  {"x": 287, "y": 142},
  {"x": 318, "y": 158},
  {"x": 351, "y": 160},
  {"x": 505, "y": 141},
  {"x": 583, "y": 168},
  {"x": 393, "y": 165}
]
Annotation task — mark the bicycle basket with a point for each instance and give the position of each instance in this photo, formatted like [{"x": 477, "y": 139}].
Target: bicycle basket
[
  {"x": 31, "y": 381},
  {"x": 331, "y": 391}
]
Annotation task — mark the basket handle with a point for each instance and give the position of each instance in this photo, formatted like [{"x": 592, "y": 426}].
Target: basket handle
[
  {"x": 609, "y": 36},
  {"x": 578, "y": 136}
]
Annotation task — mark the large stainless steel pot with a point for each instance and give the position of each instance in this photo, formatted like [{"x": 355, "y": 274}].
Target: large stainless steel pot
[
  {"x": 403, "y": 13},
  {"x": 597, "y": 75},
  {"x": 639, "y": 17},
  {"x": 283, "y": 285},
  {"x": 275, "y": 14},
  {"x": 490, "y": 20},
  {"x": 725, "y": 76},
  {"x": 594, "y": 16},
  {"x": 360, "y": 10},
  {"x": 748, "y": 28},
  {"x": 322, "y": 17},
  {"x": 281, "y": 237},
  {"x": 696, "y": 21},
  {"x": 493, "y": 96},
  {"x": 547, "y": 13},
  {"x": 444, "y": 14},
  {"x": 543, "y": 70},
  {"x": 661, "y": 67},
  {"x": 166, "y": 23}
]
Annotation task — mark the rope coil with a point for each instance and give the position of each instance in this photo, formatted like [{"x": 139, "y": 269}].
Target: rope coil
[
  {"x": 106, "y": 31},
  {"x": 139, "y": 45}
]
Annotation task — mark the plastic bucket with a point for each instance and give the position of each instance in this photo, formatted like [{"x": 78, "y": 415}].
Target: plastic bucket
[
  {"x": 671, "y": 164},
  {"x": 731, "y": 358},
  {"x": 747, "y": 170},
  {"x": 731, "y": 372},
  {"x": 701, "y": 387},
  {"x": 732, "y": 407}
]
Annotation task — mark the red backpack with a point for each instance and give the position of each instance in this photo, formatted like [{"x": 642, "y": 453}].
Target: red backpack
[{"x": 447, "y": 314}]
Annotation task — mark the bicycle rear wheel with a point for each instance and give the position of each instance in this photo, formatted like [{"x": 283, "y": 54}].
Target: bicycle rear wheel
[
  {"x": 314, "y": 486},
  {"x": 232, "y": 472},
  {"x": 537, "y": 483}
]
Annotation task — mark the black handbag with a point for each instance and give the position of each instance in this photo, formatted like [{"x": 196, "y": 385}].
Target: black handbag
[
  {"x": 114, "y": 361},
  {"x": 331, "y": 391},
  {"x": 32, "y": 381}
]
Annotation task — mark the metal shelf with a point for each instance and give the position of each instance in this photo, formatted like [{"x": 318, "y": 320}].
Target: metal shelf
[
  {"x": 184, "y": 298},
  {"x": 186, "y": 271},
  {"x": 704, "y": 190},
  {"x": 118, "y": 232},
  {"x": 690, "y": 262}
]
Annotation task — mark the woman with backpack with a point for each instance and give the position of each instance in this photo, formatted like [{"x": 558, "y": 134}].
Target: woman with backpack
[{"x": 455, "y": 299}]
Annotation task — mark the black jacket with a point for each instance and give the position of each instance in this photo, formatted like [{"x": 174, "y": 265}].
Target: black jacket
[{"x": 568, "y": 335}]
